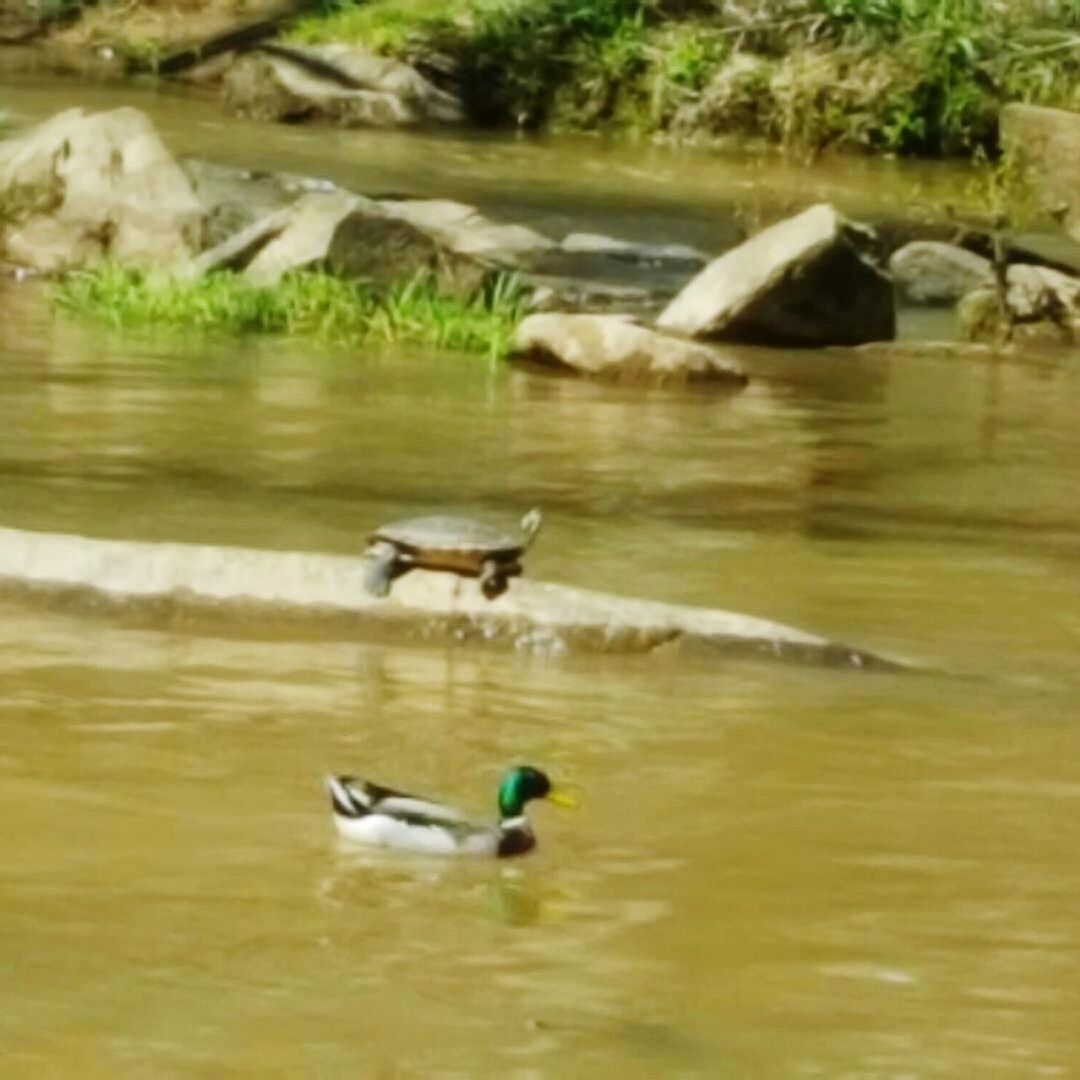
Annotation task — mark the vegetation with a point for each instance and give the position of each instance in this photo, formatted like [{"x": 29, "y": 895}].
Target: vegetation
[
  {"x": 907, "y": 76},
  {"x": 313, "y": 303}
]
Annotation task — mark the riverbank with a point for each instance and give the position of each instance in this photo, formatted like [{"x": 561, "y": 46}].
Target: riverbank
[{"x": 892, "y": 76}]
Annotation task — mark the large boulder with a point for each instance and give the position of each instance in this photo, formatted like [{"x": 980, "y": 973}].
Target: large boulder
[
  {"x": 80, "y": 188},
  {"x": 1048, "y": 141},
  {"x": 340, "y": 83},
  {"x": 1043, "y": 305},
  {"x": 930, "y": 272},
  {"x": 807, "y": 280},
  {"x": 614, "y": 347}
]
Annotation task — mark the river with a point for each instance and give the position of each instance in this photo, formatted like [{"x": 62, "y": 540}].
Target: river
[{"x": 777, "y": 870}]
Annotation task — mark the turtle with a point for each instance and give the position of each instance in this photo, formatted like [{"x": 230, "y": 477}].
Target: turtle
[{"x": 458, "y": 545}]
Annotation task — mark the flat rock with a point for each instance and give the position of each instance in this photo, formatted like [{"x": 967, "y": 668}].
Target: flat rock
[
  {"x": 614, "y": 347},
  {"x": 462, "y": 228},
  {"x": 241, "y": 586},
  {"x": 930, "y": 272},
  {"x": 80, "y": 188},
  {"x": 806, "y": 280}
]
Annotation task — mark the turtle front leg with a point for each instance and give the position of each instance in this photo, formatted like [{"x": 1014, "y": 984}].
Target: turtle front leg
[
  {"x": 383, "y": 565},
  {"x": 493, "y": 578}
]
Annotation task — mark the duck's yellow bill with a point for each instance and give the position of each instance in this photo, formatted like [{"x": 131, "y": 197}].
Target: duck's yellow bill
[{"x": 566, "y": 799}]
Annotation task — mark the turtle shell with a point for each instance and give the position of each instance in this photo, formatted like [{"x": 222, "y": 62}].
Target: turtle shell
[{"x": 434, "y": 540}]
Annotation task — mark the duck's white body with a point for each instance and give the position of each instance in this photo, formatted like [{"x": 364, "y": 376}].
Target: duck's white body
[{"x": 371, "y": 814}]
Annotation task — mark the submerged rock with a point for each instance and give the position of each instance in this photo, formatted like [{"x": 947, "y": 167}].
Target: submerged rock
[
  {"x": 628, "y": 251},
  {"x": 1042, "y": 305},
  {"x": 929, "y": 272},
  {"x": 334, "y": 82},
  {"x": 81, "y": 188},
  {"x": 615, "y": 347},
  {"x": 579, "y": 295},
  {"x": 804, "y": 281},
  {"x": 242, "y": 585}
]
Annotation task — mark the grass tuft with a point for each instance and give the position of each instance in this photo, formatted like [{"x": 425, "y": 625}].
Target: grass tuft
[{"x": 302, "y": 303}]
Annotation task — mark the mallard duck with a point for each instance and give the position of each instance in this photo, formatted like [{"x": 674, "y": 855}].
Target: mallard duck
[{"x": 373, "y": 814}]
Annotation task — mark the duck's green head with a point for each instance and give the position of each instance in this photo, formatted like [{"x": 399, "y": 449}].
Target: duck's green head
[{"x": 524, "y": 783}]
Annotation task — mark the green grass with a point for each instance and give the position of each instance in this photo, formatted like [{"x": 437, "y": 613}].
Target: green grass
[
  {"x": 384, "y": 27},
  {"x": 304, "y": 303},
  {"x": 955, "y": 62}
]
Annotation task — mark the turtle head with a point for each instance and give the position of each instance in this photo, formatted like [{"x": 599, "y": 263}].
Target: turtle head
[
  {"x": 530, "y": 524},
  {"x": 523, "y": 783}
]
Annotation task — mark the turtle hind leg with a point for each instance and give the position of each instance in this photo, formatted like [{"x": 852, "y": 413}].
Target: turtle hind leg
[
  {"x": 494, "y": 576},
  {"x": 383, "y": 565}
]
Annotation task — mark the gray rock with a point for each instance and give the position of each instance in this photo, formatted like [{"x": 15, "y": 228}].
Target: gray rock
[
  {"x": 386, "y": 250},
  {"x": 464, "y": 229},
  {"x": 306, "y": 236},
  {"x": 1044, "y": 306},
  {"x": 235, "y": 199},
  {"x": 238, "y": 250},
  {"x": 929, "y": 272},
  {"x": 80, "y": 188},
  {"x": 340, "y": 83},
  {"x": 803, "y": 281},
  {"x": 327, "y": 591},
  {"x": 614, "y": 347},
  {"x": 383, "y": 241}
]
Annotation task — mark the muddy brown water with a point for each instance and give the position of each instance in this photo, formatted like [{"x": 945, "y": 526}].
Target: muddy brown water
[{"x": 777, "y": 871}]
